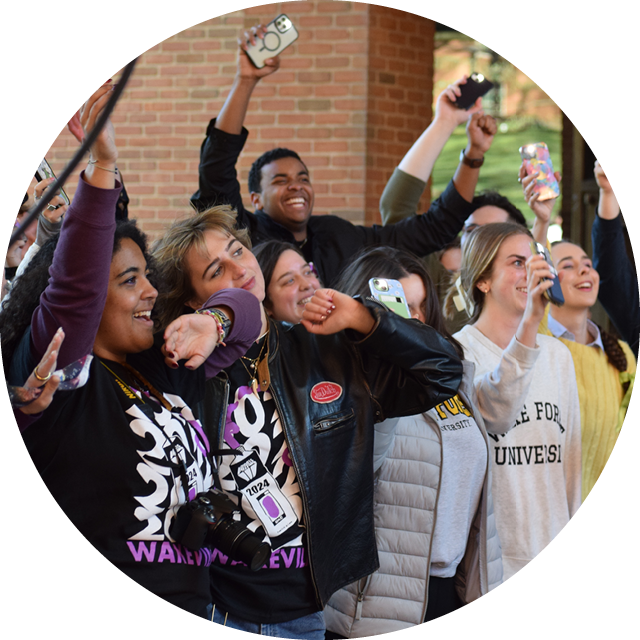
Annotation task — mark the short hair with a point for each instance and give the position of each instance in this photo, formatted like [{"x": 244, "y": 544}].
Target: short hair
[
  {"x": 171, "y": 250},
  {"x": 491, "y": 198},
  {"x": 478, "y": 256},
  {"x": 255, "y": 173}
]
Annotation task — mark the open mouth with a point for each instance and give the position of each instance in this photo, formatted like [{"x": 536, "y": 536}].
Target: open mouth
[
  {"x": 144, "y": 316},
  {"x": 585, "y": 286},
  {"x": 304, "y": 301},
  {"x": 297, "y": 202}
]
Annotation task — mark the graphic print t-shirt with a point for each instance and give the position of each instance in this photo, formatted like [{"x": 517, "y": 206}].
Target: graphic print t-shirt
[
  {"x": 262, "y": 481},
  {"x": 117, "y": 462}
]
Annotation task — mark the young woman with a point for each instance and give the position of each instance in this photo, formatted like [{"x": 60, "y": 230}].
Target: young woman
[
  {"x": 433, "y": 507},
  {"x": 290, "y": 280},
  {"x": 299, "y": 421},
  {"x": 536, "y": 465},
  {"x": 124, "y": 452},
  {"x": 605, "y": 367}
]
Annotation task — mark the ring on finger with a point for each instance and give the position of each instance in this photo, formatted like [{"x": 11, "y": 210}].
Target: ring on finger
[
  {"x": 40, "y": 378},
  {"x": 52, "y": 207}
]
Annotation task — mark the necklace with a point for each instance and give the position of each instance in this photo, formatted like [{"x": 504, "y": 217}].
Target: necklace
[
  {"x": 142, "y": 381},
  {"x": 258, "y": 368}
]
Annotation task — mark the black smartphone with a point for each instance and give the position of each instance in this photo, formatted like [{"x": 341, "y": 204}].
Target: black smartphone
[
  {"x": 475, "y": 87},
  {"x": 553, "y": 295},
  {"x": 43, "y": 172}
]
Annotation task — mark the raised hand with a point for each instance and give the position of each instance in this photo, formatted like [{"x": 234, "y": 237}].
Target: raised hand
[
  {"x": 57, "y": 206},
  {"x": 191, "y": 337},
  {"x": 246, "y": 68},
  {"x": 446, "y": 109},
  {"x": 541, "y": 208},
  {"x": 330, "y": 311},
  {"x": 481, "y": 129}
]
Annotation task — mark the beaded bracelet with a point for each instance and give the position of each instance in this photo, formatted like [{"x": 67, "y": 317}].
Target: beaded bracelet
[{"x": 222, "y": 322}]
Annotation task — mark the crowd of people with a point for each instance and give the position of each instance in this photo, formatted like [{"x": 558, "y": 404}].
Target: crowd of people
[{"x": 233, "y": 421}]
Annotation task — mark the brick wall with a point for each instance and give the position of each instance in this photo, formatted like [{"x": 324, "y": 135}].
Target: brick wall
[{"x": 351, "y": 96}]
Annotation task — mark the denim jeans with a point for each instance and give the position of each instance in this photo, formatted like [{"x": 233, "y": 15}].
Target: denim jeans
[{"x": 311, "y": 627}]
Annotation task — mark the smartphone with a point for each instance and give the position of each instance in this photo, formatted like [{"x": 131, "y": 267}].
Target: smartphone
[
  {"x": 553, "y": 295},
  {"x": 43, "y": 172},
  {"x": 391, "y": 294},
  {"x": 475, "y": 87},
  {"x": 538, "y": 158},
  {"x": 280, "y": 34}
]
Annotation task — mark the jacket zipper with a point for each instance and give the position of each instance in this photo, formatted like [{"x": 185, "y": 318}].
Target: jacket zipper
[
  {"x": 360, "y": 597},
  {"x": 305, "y": 509}
]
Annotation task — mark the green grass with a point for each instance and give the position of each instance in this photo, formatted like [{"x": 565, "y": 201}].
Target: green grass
[{"x": 500, "y": 169}]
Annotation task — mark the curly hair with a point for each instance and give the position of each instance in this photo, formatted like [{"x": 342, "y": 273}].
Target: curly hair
[
  {"x": 170, "y": 253},
  {"x": 392, "y": 263},
  {"x": 16, "y": 312},
  {"x": 255, "y": 173}
]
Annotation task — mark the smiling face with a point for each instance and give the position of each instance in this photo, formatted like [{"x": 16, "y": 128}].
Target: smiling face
[
  {"x": 225, "y": 263},
  {"x": 126, "y": 325},
  {"x": 506, "y": 288},
  {"x": 580, "y": 282},
  {"x": 292, "y": 285},
  {"x": 286, "y": 194}
]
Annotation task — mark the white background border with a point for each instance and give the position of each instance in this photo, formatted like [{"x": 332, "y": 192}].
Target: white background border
[{"x": 55, "y": 54}]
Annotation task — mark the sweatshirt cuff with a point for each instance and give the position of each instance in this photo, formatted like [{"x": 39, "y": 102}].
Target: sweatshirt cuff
[
  {"x": 247, "y": 320},
  {"x": 526, "y": 356},
  {"x": 93, "y": 202}
]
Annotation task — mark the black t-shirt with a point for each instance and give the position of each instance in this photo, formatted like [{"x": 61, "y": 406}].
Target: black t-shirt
[
  {"x": 117, "y": 461},
  {"x": 261, "y": 479}
]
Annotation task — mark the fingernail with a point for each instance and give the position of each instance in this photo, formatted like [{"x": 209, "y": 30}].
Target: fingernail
[
  {"x": 189, "y": 366},
  {"x": 173, "y": 365}
]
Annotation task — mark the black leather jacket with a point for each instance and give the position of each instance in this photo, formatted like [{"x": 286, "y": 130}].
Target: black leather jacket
[{"x": 402, "y": 367}]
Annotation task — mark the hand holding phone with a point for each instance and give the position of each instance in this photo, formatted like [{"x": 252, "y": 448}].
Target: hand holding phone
[
  {"x": 554, "y": 294},
  {"x": 538, "y": 160},
  {"x": 44, "y": 172},
  {"x": 391, "y": 294},
  {"x": 475, "y": 87},
  {"x": 280, "y": 33}
]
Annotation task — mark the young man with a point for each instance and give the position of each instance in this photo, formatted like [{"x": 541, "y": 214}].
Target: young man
[{"x": 283, "y": 195}]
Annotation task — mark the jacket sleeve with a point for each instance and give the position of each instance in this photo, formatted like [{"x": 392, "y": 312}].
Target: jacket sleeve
[
  {"x": 409, "y": 366},
  {"x": 618, "y": 292},
  {"x": 426, "y": 233},
  {"x": 217, "y": 175},
  {"x": 400, "y": 197},
  {"x": 501, "y": 393},
  {"x": 79, "y": 275}
]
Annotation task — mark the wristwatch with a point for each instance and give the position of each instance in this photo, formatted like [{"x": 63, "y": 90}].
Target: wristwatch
[{"x": 473, "y": 163}]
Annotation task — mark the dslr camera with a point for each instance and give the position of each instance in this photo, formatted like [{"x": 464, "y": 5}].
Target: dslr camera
[{"x": 207, "y": 521}]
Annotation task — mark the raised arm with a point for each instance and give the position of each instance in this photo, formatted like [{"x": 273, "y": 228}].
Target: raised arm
[
  {"x": 226, "y": 135},
  {"x": 75, "y": 295},
  {"x": 618, "y": 292},
  {"x": 402, "y": 192}
]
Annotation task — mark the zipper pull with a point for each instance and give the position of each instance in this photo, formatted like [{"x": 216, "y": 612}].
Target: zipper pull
[{"x": 359, "y": 605}]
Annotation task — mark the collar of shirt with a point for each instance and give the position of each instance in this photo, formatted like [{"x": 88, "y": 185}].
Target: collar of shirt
[{"x": 560, "y": 331}]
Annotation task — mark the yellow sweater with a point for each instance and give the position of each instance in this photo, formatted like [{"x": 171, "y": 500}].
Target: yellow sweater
[{"x": 600, "y": 394}]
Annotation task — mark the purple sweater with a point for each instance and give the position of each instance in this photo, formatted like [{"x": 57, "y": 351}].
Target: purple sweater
[{"x": 75, "y": 296}]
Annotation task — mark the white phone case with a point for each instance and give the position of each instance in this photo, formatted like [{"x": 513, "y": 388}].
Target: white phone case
[{"x": 280, "y": 34}]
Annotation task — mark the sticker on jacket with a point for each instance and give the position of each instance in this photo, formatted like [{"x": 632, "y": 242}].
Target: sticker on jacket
[{"x": 325, "y": 392}]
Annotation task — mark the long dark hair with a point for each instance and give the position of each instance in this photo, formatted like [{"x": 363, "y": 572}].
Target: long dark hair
[
  {"x": 16, "y": 312},
  {"x": 388, "y": 262}
]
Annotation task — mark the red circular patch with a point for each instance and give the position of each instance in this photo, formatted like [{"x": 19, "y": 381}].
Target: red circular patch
[{"x": 325, "y": 392}]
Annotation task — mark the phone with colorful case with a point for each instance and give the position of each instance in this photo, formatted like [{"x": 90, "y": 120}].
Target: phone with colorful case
[
  {"x": 43, "y": 172},
  {"x": 538, "y": 159},
  {"x": 281, "y": 32},
  {"x": 391, "y": 294}
]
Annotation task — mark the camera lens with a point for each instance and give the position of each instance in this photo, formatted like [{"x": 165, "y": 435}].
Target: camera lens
[{"x": 236, "y": 541}]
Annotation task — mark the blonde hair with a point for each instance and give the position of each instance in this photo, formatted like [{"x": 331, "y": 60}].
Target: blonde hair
[
  {"x": 171, "y": 250},
  {"x": 478, "y": 255}
]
